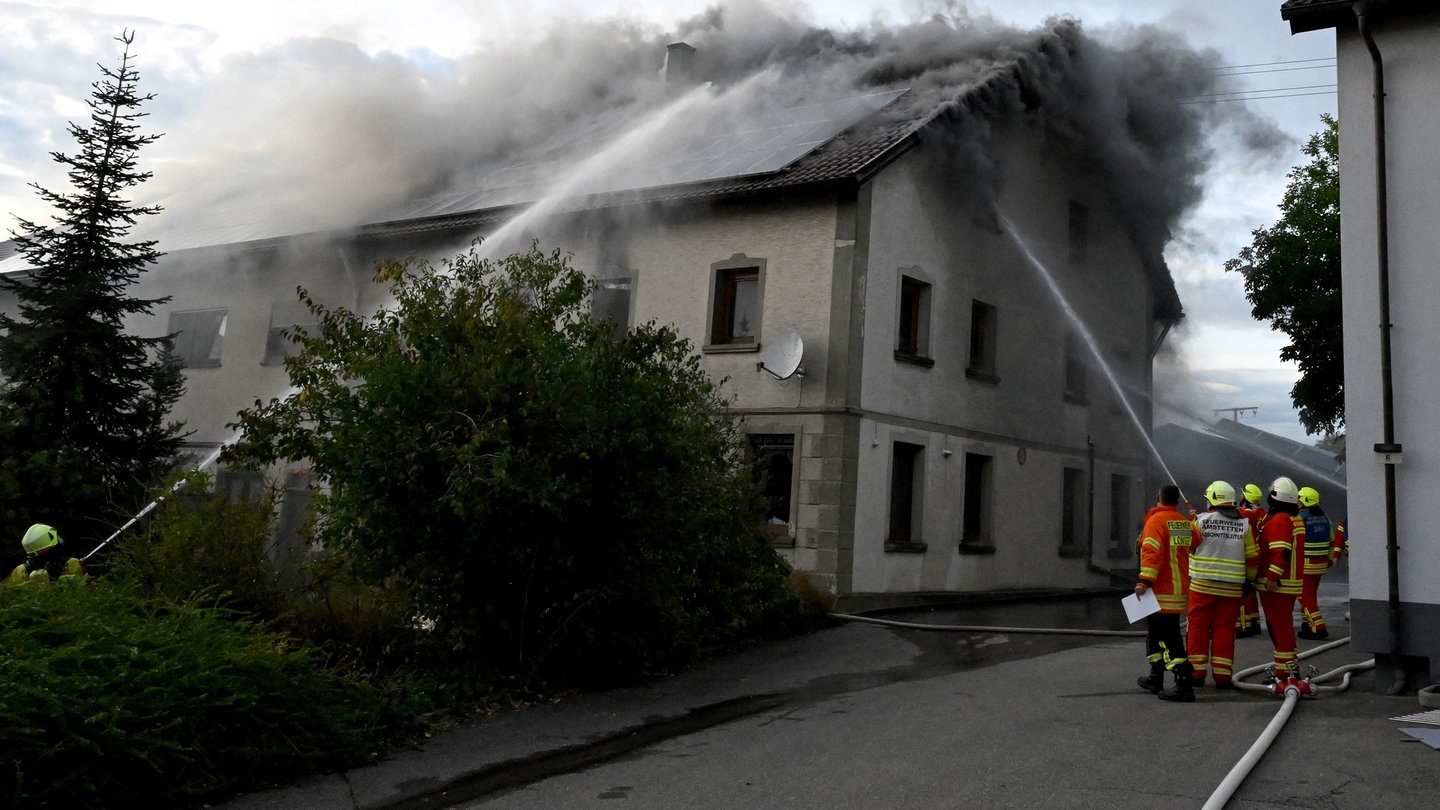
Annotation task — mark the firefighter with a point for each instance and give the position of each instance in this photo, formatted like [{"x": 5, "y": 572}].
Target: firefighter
[
  {"x": 1248, "y": 622},
  {"x": 1281, "y": 571},
  {"x": 1323, "y": 544},
  {"x": 1164, "y": 568},
  {"x": 44, "y": 562},
  {"x": 1222, "y": 567}
]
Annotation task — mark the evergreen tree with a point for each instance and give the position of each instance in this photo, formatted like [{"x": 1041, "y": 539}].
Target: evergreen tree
[{"x": 84, "y": 406}]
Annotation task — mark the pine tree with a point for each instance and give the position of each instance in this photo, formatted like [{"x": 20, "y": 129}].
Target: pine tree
[{"x": 83, "y": 405}]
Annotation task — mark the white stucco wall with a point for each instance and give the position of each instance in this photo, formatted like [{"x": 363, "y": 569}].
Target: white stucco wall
[
  {"x": 1411, "y": 53},
  {"x": 922, "y": 228}
]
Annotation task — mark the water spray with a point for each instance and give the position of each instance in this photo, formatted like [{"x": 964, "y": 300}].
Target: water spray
[{"x": 1074, "y": 318}]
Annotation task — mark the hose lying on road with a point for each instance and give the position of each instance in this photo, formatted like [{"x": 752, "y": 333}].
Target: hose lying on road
[
  {"x": 975, "y": 628},
  {"x": 1247, "y": 763}
]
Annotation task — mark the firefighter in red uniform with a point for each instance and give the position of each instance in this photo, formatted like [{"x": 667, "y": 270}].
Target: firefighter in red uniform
[
  {"x": 1323, "y": 545},
  {"x": 1164, "y": 568},
  {"x": 1282, "y": 563},
  {"x": 1248, "y": 622},
  {"x": 1222, "y": 566}
]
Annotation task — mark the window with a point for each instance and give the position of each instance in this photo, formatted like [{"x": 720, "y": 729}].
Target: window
[
  {"x": 240, "y": 486},
  {"x": 982, "y": 342},
  {"x": 912, "y": 340},
  {"x": 975, "y": 522},
  {"x": 735, "y": 299},
  {"x": 906, "y": 488},
  {"x": 1076, "y": 384},
  {"x": 199, "y": 336},
  {"x": 287, "y": 315},
  {"x": 1072, "y": 513},
  {"x": 1122, "y": 538},
  {"x": 773, "y": 456},
  {"x": 1079, "y": 233},
  {"x": 611, "y": 302}
]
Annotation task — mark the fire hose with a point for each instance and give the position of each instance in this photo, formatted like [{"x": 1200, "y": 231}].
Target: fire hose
[{"x": 1291, "y": 688}]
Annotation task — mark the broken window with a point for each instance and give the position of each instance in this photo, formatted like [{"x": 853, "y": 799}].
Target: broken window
[{"x": 199, "y": 336}]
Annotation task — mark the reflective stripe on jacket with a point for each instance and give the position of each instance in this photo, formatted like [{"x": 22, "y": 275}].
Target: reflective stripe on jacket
[
  {"x": 1165, "y": 557},
  {"x": 1226, "y": 556},
  {"x": 1319, "y": 540},
  {"x": 1282, "y": 546}
]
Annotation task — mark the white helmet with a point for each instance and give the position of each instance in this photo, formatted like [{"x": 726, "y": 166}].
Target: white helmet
[{"x": 1284, "y": 490}]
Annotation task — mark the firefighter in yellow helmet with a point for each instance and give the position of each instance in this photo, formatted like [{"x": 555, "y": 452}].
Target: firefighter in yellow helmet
[
  {"x": 1222, "y": 564},
  {"x": 1253, "y": 509},
  {"x": 44, "y": 562},
  {"x": 1323, "y": 545}
]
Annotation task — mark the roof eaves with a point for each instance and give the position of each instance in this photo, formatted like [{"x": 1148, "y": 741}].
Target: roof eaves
[{"x": 1316, "y": 15}]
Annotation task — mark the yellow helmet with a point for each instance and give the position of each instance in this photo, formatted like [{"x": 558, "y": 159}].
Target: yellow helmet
[
  {"x": 1309, "y": 497},
  {"x": 1220, "y": 494},
  {"x": 1253, "y": 494},
  {"x": 39, "y": 537}
]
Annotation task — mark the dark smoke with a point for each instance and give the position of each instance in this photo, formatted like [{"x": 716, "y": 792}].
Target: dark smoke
[{"x": 319, "y": 135}]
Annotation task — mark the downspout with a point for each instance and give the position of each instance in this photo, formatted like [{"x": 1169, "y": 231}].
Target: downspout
[{"x": 1387, "y": 393}]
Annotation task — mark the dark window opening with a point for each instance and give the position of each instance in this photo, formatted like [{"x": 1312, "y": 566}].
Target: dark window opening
[
  {"x": 773, "y": 460},
  {"x": 1122, "y": 540},
  {"x": 982, "y": 341},
  {"x": 1079, "y": 233},
  {"x": 906, "y": 487},
  {"x": 1076, "y": 367},
  {"x": 912, "y": 339},
  {"x": 611, "y": 301},
  {"x": 975, "y": 520},
  {"x": 1072, "y": 512}
]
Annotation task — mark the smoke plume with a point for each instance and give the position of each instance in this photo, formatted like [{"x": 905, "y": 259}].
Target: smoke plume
[{"x": 317, "y": 134}]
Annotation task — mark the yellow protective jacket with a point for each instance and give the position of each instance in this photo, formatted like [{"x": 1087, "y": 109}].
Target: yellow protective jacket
[
  {"x": 1226, "y": 556},
  {"x": 70, "y": 572}
]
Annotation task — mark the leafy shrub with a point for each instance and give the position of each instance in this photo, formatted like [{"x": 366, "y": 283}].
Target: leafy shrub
[
  {"x": 141, "y": 702},
  {"x": 200, "y": 546},
  {"x": 563, "y": 504}
]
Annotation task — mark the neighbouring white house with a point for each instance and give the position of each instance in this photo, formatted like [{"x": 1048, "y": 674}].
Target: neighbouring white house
[
  {"x": 1388, "y": 71},
  {"x": 964, "y": 275}
]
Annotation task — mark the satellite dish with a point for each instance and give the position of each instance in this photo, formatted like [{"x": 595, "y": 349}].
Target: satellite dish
[{"x": 780, "y": 357}]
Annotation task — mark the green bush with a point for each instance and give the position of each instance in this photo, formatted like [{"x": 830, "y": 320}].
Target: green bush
[
  {"x": 565, "y": 505},
  {"x": 108, "y": 695},
  {"x": 200, "y": 546}
]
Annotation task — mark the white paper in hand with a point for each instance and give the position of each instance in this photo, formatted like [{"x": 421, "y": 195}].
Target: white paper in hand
[{"x": 1138, "y": 607}]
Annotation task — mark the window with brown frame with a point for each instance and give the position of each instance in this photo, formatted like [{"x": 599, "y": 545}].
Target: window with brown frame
[{"x": 737, "y": 306}]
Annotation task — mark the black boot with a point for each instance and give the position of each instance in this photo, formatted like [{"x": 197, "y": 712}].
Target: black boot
[
  {"x": 1153, "y": 682},
  {"x": 1182, "y": 691}
]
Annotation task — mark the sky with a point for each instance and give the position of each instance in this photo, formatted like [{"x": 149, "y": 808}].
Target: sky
[{"x": 225, "y": 77}]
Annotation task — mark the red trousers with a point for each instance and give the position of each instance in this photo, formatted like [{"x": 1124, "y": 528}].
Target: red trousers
[
  {"x": 1249, "y": 612},
  {"x": 1310, "y": 603},
  {"x": 1210, "y": 638},
  {"x": 1279, "y": 609}
]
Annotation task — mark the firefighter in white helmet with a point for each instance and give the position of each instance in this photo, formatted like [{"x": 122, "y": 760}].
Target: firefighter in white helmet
[{"x": 1281, "y": 571}]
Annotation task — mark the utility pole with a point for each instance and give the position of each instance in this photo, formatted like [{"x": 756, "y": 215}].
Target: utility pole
[{"x": 1235, "y": 412}]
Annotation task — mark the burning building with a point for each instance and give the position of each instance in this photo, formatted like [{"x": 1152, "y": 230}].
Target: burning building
[{"x": 926, "y": 261}]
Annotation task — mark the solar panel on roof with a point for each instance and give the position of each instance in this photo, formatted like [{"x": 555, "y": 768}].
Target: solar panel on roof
[{"x": 708, "y": 145}]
